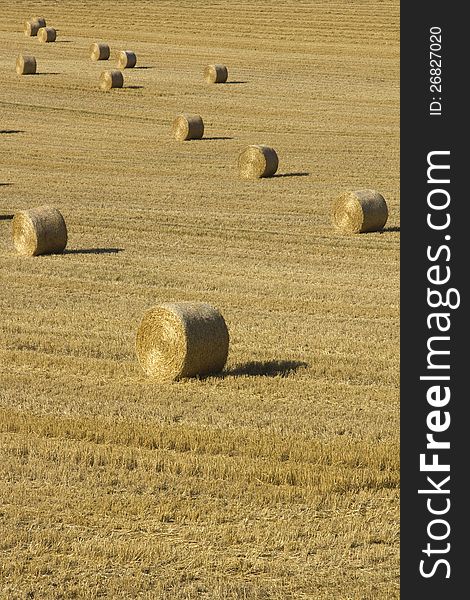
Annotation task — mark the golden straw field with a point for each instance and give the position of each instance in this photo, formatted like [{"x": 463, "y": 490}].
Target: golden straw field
[{"x": 278, "y": 478}]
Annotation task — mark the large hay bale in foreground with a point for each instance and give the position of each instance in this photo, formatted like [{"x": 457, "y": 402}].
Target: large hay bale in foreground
[
  {"x": 216, "y": 73},
  {"x": 99, "y": 51},
  {"x": 32, "y": 26},
  {"x": 39, "y": 230},
  {"x": 26, "y": 64},
  {"x": 47, "y": 34},
  {"x": 111, "y": 79},
  {"x": 126, "y": 59},
  {"x": 183, "y": 339},
  {"x": 360, "y": 211},
  {"x": 188, "y": 127},
  {"x": 258, "y": 161}
]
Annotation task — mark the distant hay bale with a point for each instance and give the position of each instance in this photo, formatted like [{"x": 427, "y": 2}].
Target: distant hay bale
[
  {"x": 99, "y": 51},
  {"x": 39, "y": 230},
  {"x": 188, "y": 127},
  {"x": 32, "y": 26},
  {"x": 126, "y": 59},
  {"x": 258, "y": 161},
  {"x": 26, "y": 64},
  {"x": 47, "y": 34},
  {"x": 360, "y": 211},
  {"x": 183, "y": 339},
  {"x": 216, "y": 73},
  {"x": 111, "y": 79}
]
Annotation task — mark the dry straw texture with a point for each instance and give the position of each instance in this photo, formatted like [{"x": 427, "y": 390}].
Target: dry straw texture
[
  {"x": 47, "y": 34},
  {"x": 188, "y": 127},
  {"x": 278, "y": 479},
  {"x": 99, "y": 51},
  {"x": 111, "y": 79},
  {"x": 360, "y": 211},
  {"x": 25, "y": 65},
  {"x": 126, "y": 59},
  {"x": 39, "y": 230},
  {"x": 32, "y": 26},
  {"x": 183, "y": 339},
  {"x": 258, "y": 161},
  {"x": 216, "y": 73}
]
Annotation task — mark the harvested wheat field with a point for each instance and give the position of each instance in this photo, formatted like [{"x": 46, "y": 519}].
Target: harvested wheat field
[{"x": 279, "y": 477}]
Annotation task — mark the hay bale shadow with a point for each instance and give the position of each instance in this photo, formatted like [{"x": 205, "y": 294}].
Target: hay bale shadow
[
  {"x": 11, "y": 131},
  {"x": 268, "y": 368},
  {"x": 6, "y": 217},
  {"x": 6, "y": 183},
  {"x": 234, "y": 82},
  {"x": 294, "y": 174},
  {"x": 218, "y": 137},
  {"x": 389, "y": 229},
  {"x": 94, "y": 251}
]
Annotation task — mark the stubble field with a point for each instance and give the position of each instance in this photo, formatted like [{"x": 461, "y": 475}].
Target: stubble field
[{"x": 278, "y": 479}]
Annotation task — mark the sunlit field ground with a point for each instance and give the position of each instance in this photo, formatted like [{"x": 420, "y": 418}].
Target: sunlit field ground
[{"x": 279, "y": 478}]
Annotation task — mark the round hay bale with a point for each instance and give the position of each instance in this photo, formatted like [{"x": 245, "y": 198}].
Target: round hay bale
[
  {"x": 39, "y": 231},
  {"x": 126, "y": 59},
  {"x": 216, "y": 73},
  {"x": 111, "y": 79},
  {"x": 360, "y": 211},
  {"x": 99, "y": 51},
  {"x": 188, "y": 127},
  {"x": 183, "y": 339},
  {"x": 26, "y": 65},
  {"x": 47, "y": 34},
  {"x": 258, "y": 161},
  {"x": 32, "y": 26}
]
